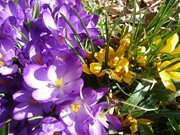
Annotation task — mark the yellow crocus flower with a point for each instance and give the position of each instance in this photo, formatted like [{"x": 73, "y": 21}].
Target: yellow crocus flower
[
  {"x": 95, "y": 69},
  {"x": 133, "y": 123},
  {"x": 118, "y": 65},
  {"x": 170, "y": 44},
  {"x": 168, "y": 72}
]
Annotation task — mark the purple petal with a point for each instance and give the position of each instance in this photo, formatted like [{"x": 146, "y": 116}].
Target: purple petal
[
  {"x": 30, "y": 78},
  {"x": 63, "y": 10},
  {"x": 52, "y": 76},
  {"x": 115, "y": 122},
  {"x": 73, "y": 87},
  {"x": 22, "y": 96},
  {"x": 5, "y": 70},
  {"x": 49, "y": 21},
  {"x": 97, "y": 129},
  {"x": 43, "y": 94},
  {"x": 22, "y": 111}
]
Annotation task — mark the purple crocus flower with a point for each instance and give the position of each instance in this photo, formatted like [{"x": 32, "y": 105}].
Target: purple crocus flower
[
  {"x": 36, "y": 34},
  {"x": 69, "y": 12},
  {"x": 12, "y": 12},
  {"x": 49, "y": 126},
  {"x": 8, "y": 37},
  {"x": 6, "y": 60},
  {"x": 87, "y": 116},
  {"x": 77, "y": 17},
  {"x": 27, "y": 106},
  {"x": 58, "y": 82}
]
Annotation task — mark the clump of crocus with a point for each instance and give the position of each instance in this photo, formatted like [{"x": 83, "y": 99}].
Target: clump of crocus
[
  {"x": 42, "y": 91},
  {"x": 117, "y": 64}
]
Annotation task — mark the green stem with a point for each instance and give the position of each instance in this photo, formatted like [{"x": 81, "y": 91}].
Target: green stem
[
  {"x": 107, "y": 41},
  {"x": 83, "y": 25},
  {"x": 74, "y": 31}
]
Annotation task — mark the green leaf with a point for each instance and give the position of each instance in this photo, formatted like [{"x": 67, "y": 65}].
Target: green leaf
[
  {"x": 35, "y": 12},
  {"x": 174, "y": 124},
  {"x": 138, "y": 95},
  {"x": 3, "y": 130},
  {"x": 145, "y": 129},
  {"x": 164, "y": 113}
]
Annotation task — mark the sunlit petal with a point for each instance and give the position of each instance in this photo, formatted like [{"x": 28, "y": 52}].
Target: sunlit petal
[
  {"x": 174, "y": 75},
  {"x": 170, "y": 44},
  {"x": 166, "y": 80}
]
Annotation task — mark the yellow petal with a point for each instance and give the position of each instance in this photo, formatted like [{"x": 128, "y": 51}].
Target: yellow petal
[
  {"x": 100, "y": 56},
  {"x": 123, "y": 64},
  {"x": 128, "y": 77},
  {"x": 124, "y": 44},
  {"x": 157, "y": 40},
  {"x": 114, "y": 75},
  {"x": 176, "y": 51},
  {"x": 95, "y": 67},
  {"x": 173, "y": 67},
  {"x": 113, "y": 62},
  {"x": 163, "y": 65},
  {"x": 89, "y": 55},
  {"x": 133, "y": 124},
  {"x": 166, "y": 80},
  {"x": 112, "y": 53},
  {"x": 167, "y": 63},
  {"x": 174, "y": 75},
  {"x": 170, "y": 44},
  {"x": 86, "y": 69}
]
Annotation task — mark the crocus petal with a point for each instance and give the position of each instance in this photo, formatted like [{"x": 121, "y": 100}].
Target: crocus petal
[
  {"x": 52, "y": 76},
  {"x": 115, "y": 122},
  {"x": 42, "y": 94},
  {"x": 174, "y": 75},
  {"x": 166, "y": 80},
  {"x": 95, "y": 67},
  {"x": 173, "y": 67},
  {"x": 8, "y": 70},
  {"x": 170, "y": 44},
  {"x": 93, "y": 96},
  {"x": 165, "y": 64},
  {"x": 21, "y": 96},
  {"x": 72, "y": 74},
  {"x": 97, "y": 129},
  {"x": 19, "y": 113},
  {"x": 72, "y": 87},
  {"x": 176, "y": 51},
  {"x": 49, "y": 21},
  {"x": 64, "y": 11},
  {"x": 22, "y": 111},
  {"x": 30, "y": 78},
  {"x": 64, "y": 114}
]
